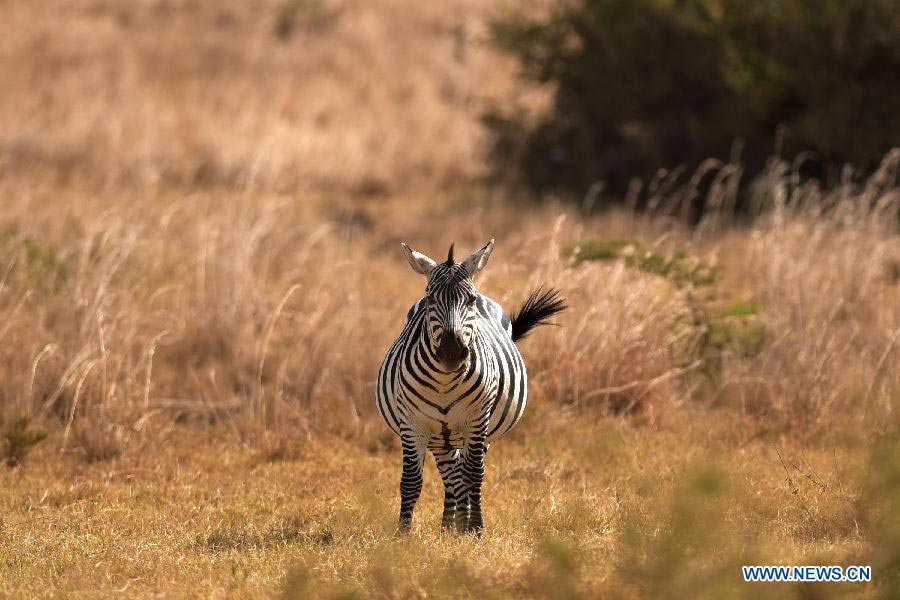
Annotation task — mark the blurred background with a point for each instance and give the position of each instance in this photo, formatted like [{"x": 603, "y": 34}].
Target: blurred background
[
  {"x": 368, "y": 98},
  {"x": 200, "y": 272},
  {"x": 378, "y": 98}
]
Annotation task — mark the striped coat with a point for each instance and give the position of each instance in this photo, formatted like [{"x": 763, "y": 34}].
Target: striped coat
[{"x": 454, "y": 381}]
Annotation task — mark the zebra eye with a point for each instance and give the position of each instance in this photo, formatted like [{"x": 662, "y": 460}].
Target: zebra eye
[{"x": 473, "y": 298}]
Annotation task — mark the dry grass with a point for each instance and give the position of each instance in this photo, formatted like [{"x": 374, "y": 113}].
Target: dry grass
[
  {"x": 200, "y": 273},
  {"x": 205, "y": 365},
  {"x": 347, "y": 95},
  {"x": 211, "y": 307},
  {"x": 627, "y": 511}
]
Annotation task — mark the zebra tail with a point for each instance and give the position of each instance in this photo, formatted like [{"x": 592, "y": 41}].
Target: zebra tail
[{"x": 538, "y": 309}]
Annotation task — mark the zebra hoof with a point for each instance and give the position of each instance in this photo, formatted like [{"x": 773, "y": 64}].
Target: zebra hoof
[
  {"x": 475, "y": 526},
  {"x": 403, "y": 527}
]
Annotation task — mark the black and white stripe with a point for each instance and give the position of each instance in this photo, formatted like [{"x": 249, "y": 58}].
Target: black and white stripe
[{"x": 454, "y": 381}]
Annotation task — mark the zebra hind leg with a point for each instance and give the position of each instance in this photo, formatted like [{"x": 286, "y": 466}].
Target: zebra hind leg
[
  {"x": 455, "y": 497},
  {"x": 411, "y": 479}
]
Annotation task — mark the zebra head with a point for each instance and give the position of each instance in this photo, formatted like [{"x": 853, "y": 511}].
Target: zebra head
[{"x": 451, "y": 298}]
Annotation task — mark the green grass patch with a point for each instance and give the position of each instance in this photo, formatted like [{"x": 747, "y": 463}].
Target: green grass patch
[
  {"x": 680, "y": 268},
  {"x": 44, "y": 269}
]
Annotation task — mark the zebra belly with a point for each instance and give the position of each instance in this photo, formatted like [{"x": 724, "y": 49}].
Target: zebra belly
[
  {"x": 512, "y": 394},
  {"x": 506, "y": 413},
  {"x": 451, "y": 429},
  {"x": 450, "y": 426}
]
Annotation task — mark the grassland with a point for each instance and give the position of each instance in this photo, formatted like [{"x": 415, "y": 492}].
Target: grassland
[
  {"x": 200, "y": 273},
  {"x": 625, "y": 511}
]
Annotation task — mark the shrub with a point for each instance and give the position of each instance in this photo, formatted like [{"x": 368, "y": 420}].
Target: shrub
[
  {"x": 18, "y": 439},
  {"x": 640, "y": 84},
  {"x": 681, "y": 269},
  {"x": 716, "y": 326}
]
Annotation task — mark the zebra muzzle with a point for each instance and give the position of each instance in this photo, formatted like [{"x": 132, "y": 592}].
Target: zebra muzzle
[{"x": 451, "y": 351}]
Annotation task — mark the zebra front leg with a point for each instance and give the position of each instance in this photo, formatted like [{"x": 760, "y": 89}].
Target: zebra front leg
[
  {"x": 411, "y": 479},
  {"x": 455, "y": 497},
  {"x": 473, "y": 476},
  {"x": 463, "y": 505}
]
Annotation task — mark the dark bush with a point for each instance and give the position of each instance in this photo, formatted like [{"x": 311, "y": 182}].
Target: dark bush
[
  {"x": 17, "y": 439},
  {"x": 644, "y": 84}
]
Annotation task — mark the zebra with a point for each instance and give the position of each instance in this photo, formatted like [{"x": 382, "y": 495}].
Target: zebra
[{"x": 454, "y": 381}]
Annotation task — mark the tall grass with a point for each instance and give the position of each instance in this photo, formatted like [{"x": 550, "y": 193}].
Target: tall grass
[
  {"x": 276, "y": 311},
  {"x": 177, "y": 243}
]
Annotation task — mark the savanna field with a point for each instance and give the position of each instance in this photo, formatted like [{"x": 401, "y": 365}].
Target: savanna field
[{"x": 201, "y": 270}]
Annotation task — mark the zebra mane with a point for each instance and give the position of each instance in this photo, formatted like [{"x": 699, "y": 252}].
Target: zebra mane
[{"x": 450, "y": 255}]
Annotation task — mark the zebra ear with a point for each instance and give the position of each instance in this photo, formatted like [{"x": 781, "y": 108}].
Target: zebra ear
[
  {"x": 479, "y": 258},
  {"x": 420, "y": 263}
]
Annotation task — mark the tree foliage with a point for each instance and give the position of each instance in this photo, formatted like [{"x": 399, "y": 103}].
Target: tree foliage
[{"x": 644, "y": 84}]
